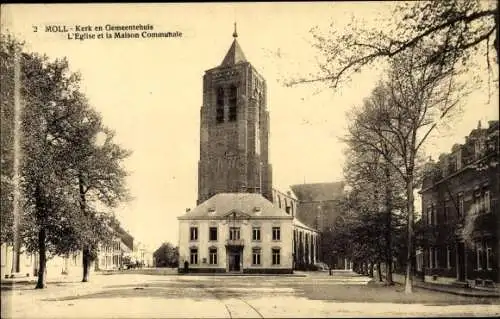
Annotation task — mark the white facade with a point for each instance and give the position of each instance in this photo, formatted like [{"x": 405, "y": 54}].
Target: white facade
[
  {"x": 110, "y": 257},
  {"x": 238, "y": 232},
  {"x": 29, "y": 264}
]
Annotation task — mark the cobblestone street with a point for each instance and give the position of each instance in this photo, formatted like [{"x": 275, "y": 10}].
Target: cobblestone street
[{"x": 135, "y": 295}]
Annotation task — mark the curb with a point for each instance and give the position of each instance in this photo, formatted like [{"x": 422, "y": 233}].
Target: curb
[
  {"x": 453, "y": 292},
  {"x": 460, "y": 293},
  {"x": 242, "y": 275}
]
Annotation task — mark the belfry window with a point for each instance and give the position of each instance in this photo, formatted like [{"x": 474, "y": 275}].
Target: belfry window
[
  {"x": 233, "y": 100},
  {"x": 220, "y": 106}
]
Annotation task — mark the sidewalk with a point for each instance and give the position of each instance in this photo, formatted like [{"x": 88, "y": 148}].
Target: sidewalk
[
  {"x": 468, "y": 292},
  {"x": 50, "y": 280},
  {"x": 230, "y": 274}
]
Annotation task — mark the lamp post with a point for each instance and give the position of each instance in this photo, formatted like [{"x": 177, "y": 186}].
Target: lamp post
[{"x": 17, "y": 154}]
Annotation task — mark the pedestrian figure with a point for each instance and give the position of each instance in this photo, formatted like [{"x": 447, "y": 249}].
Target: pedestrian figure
[{"x": 186, "y": 267}]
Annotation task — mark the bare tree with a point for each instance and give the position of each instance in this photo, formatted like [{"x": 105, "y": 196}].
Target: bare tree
[
  {"x": 400, "y": 115},
  {"x": 452, "y": 30}
]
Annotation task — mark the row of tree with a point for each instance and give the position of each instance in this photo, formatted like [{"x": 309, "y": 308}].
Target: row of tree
[
  {"x": 427, "y": 48},
  {"x": 69, "y": 172}
]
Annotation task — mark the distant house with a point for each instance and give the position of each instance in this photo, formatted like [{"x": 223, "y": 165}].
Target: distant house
[
  {"x": 461, "y": 213},
  {"x": 110, "y": 257}
]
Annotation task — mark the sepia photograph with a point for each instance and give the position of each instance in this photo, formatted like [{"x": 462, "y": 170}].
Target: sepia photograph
[{"x": 250, "y": 160}]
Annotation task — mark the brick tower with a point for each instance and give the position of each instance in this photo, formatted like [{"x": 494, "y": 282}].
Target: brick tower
[{"x": 234, "y": 129}]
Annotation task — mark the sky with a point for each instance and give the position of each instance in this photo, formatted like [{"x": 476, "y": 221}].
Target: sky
[{"x": 150, "y": 91}]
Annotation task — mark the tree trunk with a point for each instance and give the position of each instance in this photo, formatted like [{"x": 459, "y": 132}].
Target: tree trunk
[
  {"x": 370, "y": 270},
  {"x": 388, "y": 231},
  {"x": 86, "y": 249},
  {"x": 409, "y": 255},
  {"x": 496, "y": 42},
  {"x": 379, "y": 271},
  {"x": 86, "y": 264},
  {"x": 42, "y": 260}
]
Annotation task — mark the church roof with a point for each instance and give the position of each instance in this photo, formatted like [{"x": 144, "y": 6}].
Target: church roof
[
  {"x": 222, "y": 204},
  {"x": 318, "y": 191},
  {"x": 298, "y": 223},
  {"x": 234, "y": 55}
]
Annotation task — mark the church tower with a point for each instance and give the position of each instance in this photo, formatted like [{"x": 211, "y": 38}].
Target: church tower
[{"x": 234, "y": 129}]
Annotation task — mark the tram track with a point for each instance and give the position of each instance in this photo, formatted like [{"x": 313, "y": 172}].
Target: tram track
[{"x": 234, "y": 310}]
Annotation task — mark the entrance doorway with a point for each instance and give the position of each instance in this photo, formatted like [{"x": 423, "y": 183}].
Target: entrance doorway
[
  {"x": 461, "y": 261},
  {"x": 234, "y": 259}
]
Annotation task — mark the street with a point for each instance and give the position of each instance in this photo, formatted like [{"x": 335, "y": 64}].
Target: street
[{"x": 136, "y": 295}]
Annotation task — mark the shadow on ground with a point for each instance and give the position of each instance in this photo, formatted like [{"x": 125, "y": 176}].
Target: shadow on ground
[{"x": 248, "y": 288}]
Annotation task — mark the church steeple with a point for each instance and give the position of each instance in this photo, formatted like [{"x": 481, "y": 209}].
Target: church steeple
[
  {"x": 235, "y": 54},
  {"x": 235, "y": 33},
  {"x": 234, "y": 129}
]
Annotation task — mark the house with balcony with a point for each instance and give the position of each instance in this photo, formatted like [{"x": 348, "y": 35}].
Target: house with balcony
[
  {"x": 242, "y": 232},
  {"x": 460, "y": 212}
]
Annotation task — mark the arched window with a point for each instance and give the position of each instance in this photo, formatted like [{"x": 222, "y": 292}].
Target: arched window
[
  {"x": 233, "y": 100},
  {"x": 220, "y": 105}
]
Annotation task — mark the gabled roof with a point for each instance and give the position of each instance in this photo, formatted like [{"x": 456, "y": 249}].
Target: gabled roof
[
  {"x": 318, "y": 191},
  {"x": 234, "y": 55},
  {"x": 243, "y": 204}
]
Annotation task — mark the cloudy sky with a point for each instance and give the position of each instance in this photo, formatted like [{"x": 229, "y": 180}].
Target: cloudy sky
[{"x": 150, "y": 91}]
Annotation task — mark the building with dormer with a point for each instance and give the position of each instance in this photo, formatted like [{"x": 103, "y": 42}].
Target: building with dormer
[
  {"x": 460, "y": 213},
  {"x": 238, "y": 226}
]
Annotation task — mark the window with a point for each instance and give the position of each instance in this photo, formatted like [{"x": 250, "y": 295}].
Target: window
[
  {"x": 431, "y": 258},
  {"x": 212, "y": 256},
  {"x": 234, "y": 233},
  {"x": 276, "y": 233},
  {"x": 448, "y": 257},
  {"x": 420, "y": 261},
  {"x": 434, "y": 215},
  {"x": 479, "y": 256},
  {"x": 233, "y": 100},
  {"x": 489, "y": 256},
  {"x": 460, "y": 205},
  {"x": 256, "y": 256},
  {"x": 193, "y": 233},
  {"x": 220, "y": 106},
  {"x": 276, "y": 256},
  {"x": 256, "y": 233},
  {"x": 429, "y": 215},
  {"x": 477, "y": 202},
  {"x": 446, "y": 211},
  {"x": 288, "y": 209},
  {"x": 212, "y": 234},
  {"x": 487, "y": 201},
  {"x": 436, "y": 258},
  {"x": 193, "y": 256}
]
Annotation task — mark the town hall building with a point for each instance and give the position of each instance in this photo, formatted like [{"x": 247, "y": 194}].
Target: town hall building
[{"x": 238, "y": 226}]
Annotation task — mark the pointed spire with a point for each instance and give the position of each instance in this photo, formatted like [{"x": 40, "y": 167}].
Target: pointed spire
[
  {"x": 235, "y": 54},
  {"x": 479, "y": 125},
  {"x": 235, "y": 33}
]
